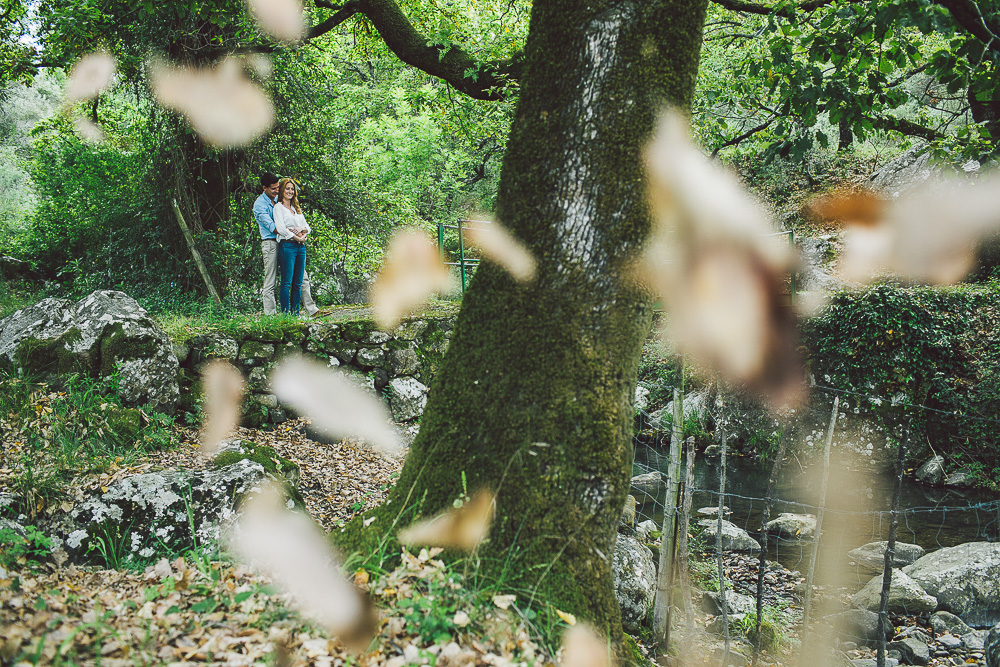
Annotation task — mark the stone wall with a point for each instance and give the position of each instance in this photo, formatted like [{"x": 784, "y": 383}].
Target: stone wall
[{"x": 399, "y": 364}]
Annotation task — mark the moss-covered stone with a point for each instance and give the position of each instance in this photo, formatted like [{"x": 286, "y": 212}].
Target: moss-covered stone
[
  {"x": 272, "y": 462},
  {"x": 117, "y": 346},
  {"x": 253, "y": 351},
  {"x": 125, "y": 422},
  {"x": 52, "y": 356},
  {"x": 357, "y": 330}
]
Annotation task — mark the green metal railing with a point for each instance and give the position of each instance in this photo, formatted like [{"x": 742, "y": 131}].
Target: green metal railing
[{"x": 465, "y": 264}]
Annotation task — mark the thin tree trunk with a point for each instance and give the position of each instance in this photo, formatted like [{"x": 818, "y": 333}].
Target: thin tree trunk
[
  {"x": 668, "y": 541},
  {"x": 534, "y": 397},
  {"x": 811, "y": 572},
  {"x": 719, "y": 546},
  {"x": 890, "y": 549},
  {"x": 194, "y": 253},
  {"x": 772, "y": 482},
  {"x": 682, "y": 549}
]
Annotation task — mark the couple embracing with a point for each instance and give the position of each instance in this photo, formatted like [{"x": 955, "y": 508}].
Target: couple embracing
[{"x": 283, "y": 232}]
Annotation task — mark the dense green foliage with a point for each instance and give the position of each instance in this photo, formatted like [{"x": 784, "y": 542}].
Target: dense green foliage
[{"x": 933, "y": 347}]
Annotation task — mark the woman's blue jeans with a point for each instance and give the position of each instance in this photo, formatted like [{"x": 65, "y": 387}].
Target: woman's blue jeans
[{"x": 292, "y": 265}]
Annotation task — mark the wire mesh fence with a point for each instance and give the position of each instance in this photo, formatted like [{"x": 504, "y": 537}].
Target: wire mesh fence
[{"x": 849, "y": 543}]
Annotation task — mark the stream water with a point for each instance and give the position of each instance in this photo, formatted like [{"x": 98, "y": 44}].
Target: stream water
[{"x": 857, "y": 511}]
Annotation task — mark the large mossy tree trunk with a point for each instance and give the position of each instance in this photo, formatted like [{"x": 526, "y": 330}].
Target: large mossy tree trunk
[{"x": 534, "y": 398}]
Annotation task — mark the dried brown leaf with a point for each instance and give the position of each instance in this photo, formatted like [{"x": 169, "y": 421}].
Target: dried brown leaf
[
  {"x": 282, "y": 19},
  {"x": 715, "y": 259},
  {"x": 582, "y": 647},
  {"x": 501, "y": 247},
  {"x": 296, "y": 555},
  {"x": 412, "y": 271},
  {"x": 223, "y": 386},
  {"x": 90, "y": 76},
  {"x": 223, "y": 106},
  {"x": 931, "y": 235},
  {"x": 458, "y": 528},
  {"x": 337, "y": 405}
]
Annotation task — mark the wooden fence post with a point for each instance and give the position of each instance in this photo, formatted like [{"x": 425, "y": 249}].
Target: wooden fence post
[
  {"x": 890, "y": 548},
  {"x": 772, "y": 483},
  {"x": 810, "y": 574},
  {"x": 718, "y": 545},
  {"x": 664, "y": 578},
  {"x": 682, "y": 548}
]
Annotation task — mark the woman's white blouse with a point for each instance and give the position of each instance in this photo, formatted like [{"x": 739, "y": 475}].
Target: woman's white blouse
[{"x": 285, "y": 220}]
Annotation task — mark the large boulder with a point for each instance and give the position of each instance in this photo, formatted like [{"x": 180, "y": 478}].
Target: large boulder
[
  {"x": 105, "y": 333},
  {"x": 905, "y": 596},
  {"x": 946, "y": 623},
  {"x": 991, "y": 647},
  {"x": 736, "y": 603},
  {"x": 635, "y": 580},
  {"x": 932, "y": 471},
  {"x": 965, "y": 580},
  {"x": 176, "y": 509},
  {"x": 792, "y": 526},
  {"x": 872, "y": 555},
  {"x": 648, "y": 486},
  {"x": 813, "y": 275},
  {"x": 730, "y": 538},
  {"x": 858, "y": 625},
  {"x": 915, "y": 650},
  {"x": 407, "y": 399}
]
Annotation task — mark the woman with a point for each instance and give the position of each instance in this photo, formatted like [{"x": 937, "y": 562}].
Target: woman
[{"x": 291, "y": 228}]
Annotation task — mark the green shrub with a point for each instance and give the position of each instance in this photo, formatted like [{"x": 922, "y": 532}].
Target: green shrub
[{"x": 28, "y": 551}]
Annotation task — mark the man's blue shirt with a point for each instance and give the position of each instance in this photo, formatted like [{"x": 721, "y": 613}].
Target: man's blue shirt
[{"x": 263, "y": 212}]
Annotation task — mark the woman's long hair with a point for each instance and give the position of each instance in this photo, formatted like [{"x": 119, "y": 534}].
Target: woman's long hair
[{"x": 295, "y": 197}]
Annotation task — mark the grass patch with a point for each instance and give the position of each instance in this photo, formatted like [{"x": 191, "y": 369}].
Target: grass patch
[
  {"x": 17, "y": 295},
  {"x": 51, "y": 434}
]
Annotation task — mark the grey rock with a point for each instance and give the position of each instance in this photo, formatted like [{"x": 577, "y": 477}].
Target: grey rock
[
  {"x": 408, "y": 398},
  {"x": 411, "y": 330},
  {"x": 403, "y": 362},
  {"x": 267, "y": 400},
  {"x": 872, "y": 555},
  {"x": 343, "y": 351},
  {"x": 140, "y": 511},
  {"x": 991, "y": 647},
  {"x": 717, "y": 627},
  {"x": 932, "y": 471},
  {"x": 277, "y": 416},
  {"x": 733, "y": 538},
  {"x": 255, "y": 352},
  {"x": 350, "y": 287},
  {"x": 958, "y": 480},
  {"x": 714, "y": 511},
  {"x": 627, "y": 522},
  {"x": 965, "y": 580},
  {"x": 950, "y": 642},
  {"x": 106, "y": 332},
  {"x": 217, "y": 346},
  {"x": 370, "y": 356},
  {"x": 914, "y": 631},
  {"x": 648, "y": 486},
  {"x": 380, "y": 377},
  {"x": 182, "y": 349},
  {"x": 712, "y": 451},
  {"x": 736, "y": 603},
  {"x": 813, "y": 274},
  {"x": 871, "y": 662},
  {"x": 694, "y": 406},
  {"x": 945, "y": 622},
  {"x": 634, "y": 575},
  {"x": 907, "y": 172},
  {"x": 858, "y": 625},
  {"x": 259, "y": 379},
  {"x": 645, "y": 530},
  {"x": 905, "y": 595},
  {"x": 792, "y": 526},
  {"x": 914, "y": 650},
  {"x": 13, "y": 526},
  {"x": 975, "y": 640},
  {"x": 376, "y": 337},
  {"x": 641, "y": 397}
]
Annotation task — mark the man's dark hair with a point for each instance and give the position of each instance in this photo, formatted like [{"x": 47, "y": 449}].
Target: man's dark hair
[{"x": 268, "y": 179}]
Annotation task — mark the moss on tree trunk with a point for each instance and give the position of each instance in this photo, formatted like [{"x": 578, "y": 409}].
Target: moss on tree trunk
[{"x": 534, "y": 397}]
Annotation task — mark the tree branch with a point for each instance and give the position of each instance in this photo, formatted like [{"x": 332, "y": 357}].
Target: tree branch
[
  {"x": 743, "y": 137},
  {"x": 747, "y": 7},
  {"x": 967, "y": 15},
  {"x": 446, "y": 62},
  {"x": 906, "y": 127},
  {"x": 344, "y": 12}
]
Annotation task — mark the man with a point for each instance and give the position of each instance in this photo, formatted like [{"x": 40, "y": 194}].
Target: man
[{"x": 263, "y": 213}]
